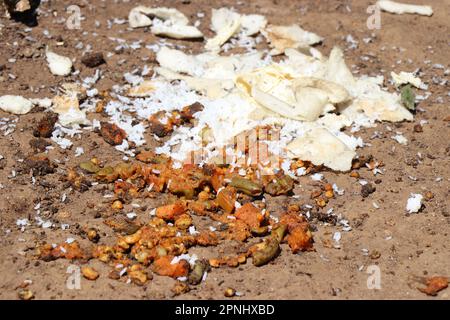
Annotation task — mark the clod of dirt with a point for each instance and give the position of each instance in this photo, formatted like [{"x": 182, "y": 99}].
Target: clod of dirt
[
  {"x": 40, "y": 165},
  {"x": 418, "y": 128},
  {"x": 93, "y": 60},
  {"x": 46, "y": 126},
  {"x": 39, "y": 145},
  {"x": 375, "y": 254},
  {"x": 112, "y": 134},
  {"x": 367, "y": 190},
  {"x": 121, "y": 225},
  {"x": 180, "y": 288}
]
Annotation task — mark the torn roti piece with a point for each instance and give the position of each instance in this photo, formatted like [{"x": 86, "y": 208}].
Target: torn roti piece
[
  {"x": 302, "y": 98},
  {"x": 293, "y": 36},
  {"x": 252, "y": 24},
  {"x": 337, "y": 70},
  {"x": 74, "y": 89},
  {"x": 375, "y": 104},
  {"x": 178, "y": 61},
  {"x": 59, "y": 65},
  {"x": 15, "y": 104},
  {"x": 211, "y": 88},
  {"x": 370, "y": 102},
  {"x": 137, "y": 18},
  {"x": 43, "y": 103},
  {"x": 142, "y": 16},
  {"x": 168, "y": 14},
  {"x": 176, "y": 31},
  {"x": 68, "y": 109},
  {"x": 406, "y": 78},
  {"x": 208, "y": 65},
  {"x": 145, "y": 89},
  {"x": 208, "y": 73},
  {"x": 225, "y": 23},
  {"x": 321, "y": 147},
  {"x": 401, "y": 8},
  {"x": 167, "y": 22}
]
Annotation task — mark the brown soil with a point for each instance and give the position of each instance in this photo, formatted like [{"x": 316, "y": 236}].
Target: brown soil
[{"x": 401, "y": 245}]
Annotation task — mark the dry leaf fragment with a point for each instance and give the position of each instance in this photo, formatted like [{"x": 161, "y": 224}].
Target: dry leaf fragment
[
  {"x": 285, "y": 37},
  {"x": 321, "y": 147}
]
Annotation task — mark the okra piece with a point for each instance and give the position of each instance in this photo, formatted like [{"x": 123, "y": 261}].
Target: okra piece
[
  {"x": 106, "y": 174},
  {"x": 279, "y": 232},
  {"x": 270, "y": 248},
  {"x": 197, "y": 272},
  {"x": 280, "y": 185},
  {"x": 246, "y": 186},
  {"x": 90, "y": 167},
  {"x": 260, "y": 231}
]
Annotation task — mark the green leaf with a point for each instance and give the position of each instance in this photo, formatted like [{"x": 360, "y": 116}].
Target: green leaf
[{"x": 408, "y": 97}]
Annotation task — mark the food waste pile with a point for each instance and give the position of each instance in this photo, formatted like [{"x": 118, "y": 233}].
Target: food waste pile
[{"x": 230, "y": 129}]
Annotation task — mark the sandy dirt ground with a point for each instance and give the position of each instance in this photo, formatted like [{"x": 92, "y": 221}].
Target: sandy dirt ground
[{"x": 402, "y": 246}]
